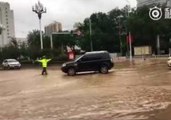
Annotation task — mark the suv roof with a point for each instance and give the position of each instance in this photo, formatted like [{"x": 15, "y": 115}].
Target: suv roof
[{"x": 96, "y": 52}]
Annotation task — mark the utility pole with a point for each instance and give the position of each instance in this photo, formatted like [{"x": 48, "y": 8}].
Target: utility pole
[
  {"x": 158, "y": 44},
  {"x": 91, "y": 42},
  {"x": 129, "y": 33},
  {"x": 130, "y": 46},
  {"x": 120, "y": 27},
  {"x": 51, "y": 41}
]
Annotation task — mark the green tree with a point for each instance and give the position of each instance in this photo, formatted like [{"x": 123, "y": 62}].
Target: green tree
[
  {"x": 62, "y": 40},
  {"x": 105, "y": 32},
  {"x": 145, "y": 30},
  {"x": 11, "y": 50},
  {"x": 33, "y": 49},
  {"x": 34, "y": 40}
]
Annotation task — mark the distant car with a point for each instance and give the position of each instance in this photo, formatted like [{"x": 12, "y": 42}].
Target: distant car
[
  {"x": 90, "y": 61},
  {"x": 169, "y": 62},
  {"x": 11, "y": 63}
]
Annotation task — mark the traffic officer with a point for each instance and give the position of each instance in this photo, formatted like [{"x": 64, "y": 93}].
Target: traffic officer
[{"x": 44, "y": 63}]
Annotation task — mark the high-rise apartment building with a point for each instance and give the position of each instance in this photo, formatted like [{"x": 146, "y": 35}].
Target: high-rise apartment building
[
  {"x": 7, "y": 20},
  {"x": 53, "y": 27},
  {"x": 141, "y": 3}
]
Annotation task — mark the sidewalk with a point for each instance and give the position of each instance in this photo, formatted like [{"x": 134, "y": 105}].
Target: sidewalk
[{"x": 139, "y": 58}]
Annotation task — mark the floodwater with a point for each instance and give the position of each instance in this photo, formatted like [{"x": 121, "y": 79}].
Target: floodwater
[{"x": 131, "y": 91}]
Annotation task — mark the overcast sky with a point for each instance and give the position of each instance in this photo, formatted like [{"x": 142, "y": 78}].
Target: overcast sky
[{"x": 67, "y": 12}]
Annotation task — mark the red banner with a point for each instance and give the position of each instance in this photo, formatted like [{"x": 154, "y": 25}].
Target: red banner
[
  {"x": 71, "y": 55},
  {"x": 129, "y": 39}
]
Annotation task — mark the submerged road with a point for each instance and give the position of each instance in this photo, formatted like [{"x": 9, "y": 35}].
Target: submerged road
[{"x": 139, "y": 91}]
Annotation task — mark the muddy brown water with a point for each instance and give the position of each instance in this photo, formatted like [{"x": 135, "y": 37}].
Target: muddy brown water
[{"x": 131, "y": 91}]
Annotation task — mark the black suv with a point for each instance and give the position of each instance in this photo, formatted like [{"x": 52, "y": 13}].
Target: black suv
[{"x": 90, "y": 61}]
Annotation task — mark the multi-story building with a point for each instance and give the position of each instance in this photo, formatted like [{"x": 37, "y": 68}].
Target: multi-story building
[
  {"x": 141, "y": 3},
  {"x": 53, "y": 27},
  {"x": 7, "y": 20}
]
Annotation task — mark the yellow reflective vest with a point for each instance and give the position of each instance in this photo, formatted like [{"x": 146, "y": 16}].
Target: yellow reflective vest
[{"x": 44, "y": 62}]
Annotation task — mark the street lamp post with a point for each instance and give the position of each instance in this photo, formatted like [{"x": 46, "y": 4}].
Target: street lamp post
[{"x": 39, "y": 10}]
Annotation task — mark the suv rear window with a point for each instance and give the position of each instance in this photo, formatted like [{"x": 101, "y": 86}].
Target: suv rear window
[
  {"x": 94, "y": 56},
  {"x": 90, "y": 57},
  {"x": 104, "y": 55}
]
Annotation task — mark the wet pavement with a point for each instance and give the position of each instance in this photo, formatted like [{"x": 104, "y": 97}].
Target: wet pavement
[{"x": 138, "y": 91}]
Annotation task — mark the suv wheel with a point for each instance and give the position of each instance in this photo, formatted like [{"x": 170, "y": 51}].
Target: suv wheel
[
  {"x": 104, "y": 69},
  {"x": 71, "y": 72}
]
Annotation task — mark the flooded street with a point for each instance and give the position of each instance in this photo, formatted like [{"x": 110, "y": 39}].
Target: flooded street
[{"x": 138, "y": 91}]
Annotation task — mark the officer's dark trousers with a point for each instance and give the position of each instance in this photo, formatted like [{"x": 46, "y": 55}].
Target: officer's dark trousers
[{"x": 44, "y": 71}]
